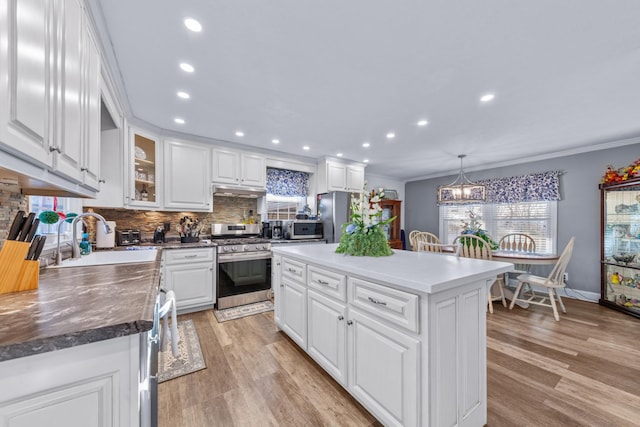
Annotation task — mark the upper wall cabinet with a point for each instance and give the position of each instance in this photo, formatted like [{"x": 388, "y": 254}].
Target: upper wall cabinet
[
  {"x": 187, "y": 184},
  {"x": 145, "y": 158},
  {"x": 49, "y": 89},
  {"x": 337, "y": 176},
  {"x": 239, "y": 168}
]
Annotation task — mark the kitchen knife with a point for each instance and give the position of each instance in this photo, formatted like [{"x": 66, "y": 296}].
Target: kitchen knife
[
  {"x": 39, "y": 248},
  {"x": 32, "y": 230},
  {"x": 16, "y": 226},
  {"x": 32, "y": 248},
  {"x": 26, "y": 226}
]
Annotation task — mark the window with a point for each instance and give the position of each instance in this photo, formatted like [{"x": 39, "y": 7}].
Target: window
[
  {"x": 537, "y": 219},
  {"x": 286, "y": 193},
  {"x": 39, "y": 204}
]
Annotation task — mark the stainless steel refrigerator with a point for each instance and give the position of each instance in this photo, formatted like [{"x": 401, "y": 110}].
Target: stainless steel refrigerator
[{"x": 333, "y": 209}]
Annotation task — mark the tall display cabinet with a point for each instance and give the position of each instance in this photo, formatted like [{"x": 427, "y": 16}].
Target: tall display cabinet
[
  {"x": 391, "y": 208},
  {"x": 620, "y": 247}
]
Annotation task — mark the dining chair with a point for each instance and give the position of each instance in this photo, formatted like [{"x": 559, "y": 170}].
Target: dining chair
[
  {"x": 415, "y": 237},
  {"x": 443, "y": 248},
  {"x": 552, "y": 283},
  {"x": 517, "y": 242},
  {"x": 471, "y": 246}
]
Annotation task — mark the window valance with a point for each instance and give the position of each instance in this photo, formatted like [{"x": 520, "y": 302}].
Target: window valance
[
  {"x": 284, "y": 182},
  {"x": 535, "y": 187}
]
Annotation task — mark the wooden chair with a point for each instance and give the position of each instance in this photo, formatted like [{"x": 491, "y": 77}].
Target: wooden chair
[
  {"x": 443, "y": 248},
  {"x": 415, "y": 237},
  {"x": 517, "y": 242},
  {"x": 553, "y": 282},
  {"x": 474, "y": 247}
]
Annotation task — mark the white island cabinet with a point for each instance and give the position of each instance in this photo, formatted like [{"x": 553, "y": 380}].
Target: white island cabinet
[{"x": 405, "y": 334}]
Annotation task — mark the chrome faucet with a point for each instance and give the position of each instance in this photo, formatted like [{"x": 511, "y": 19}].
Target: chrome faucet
[{"x": 75, "y": 248}]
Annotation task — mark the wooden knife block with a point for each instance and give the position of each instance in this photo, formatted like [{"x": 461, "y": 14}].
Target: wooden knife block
[{"x": 16, "y": 273}]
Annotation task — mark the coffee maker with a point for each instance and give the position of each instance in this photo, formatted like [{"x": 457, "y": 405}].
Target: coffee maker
[
  {"x": 266, "y": 230},
  {"x": 159, "y": 234},
  {"x": 276, "y": 230}
]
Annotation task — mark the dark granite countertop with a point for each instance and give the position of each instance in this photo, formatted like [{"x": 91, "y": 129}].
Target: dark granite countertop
[
  {"x": 79, "y": 305},
  {"x": 284, "y": 241}
]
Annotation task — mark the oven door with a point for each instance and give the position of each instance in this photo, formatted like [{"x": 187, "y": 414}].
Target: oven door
[{"x": 243, "y": 278}]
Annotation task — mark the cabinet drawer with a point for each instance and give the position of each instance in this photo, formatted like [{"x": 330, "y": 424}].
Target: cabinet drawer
[
  {"x": 294, "y": 270},
  {"x": 397, "y": 307},
  {"x": 327, "y": 282},
  {"x": 184, "y": 256}
]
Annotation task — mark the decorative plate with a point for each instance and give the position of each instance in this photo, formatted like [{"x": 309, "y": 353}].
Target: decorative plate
[{"x": 140, "y": 154}]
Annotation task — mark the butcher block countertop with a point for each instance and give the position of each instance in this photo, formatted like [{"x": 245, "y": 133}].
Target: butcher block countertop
[{"x": 79, "y": 305}]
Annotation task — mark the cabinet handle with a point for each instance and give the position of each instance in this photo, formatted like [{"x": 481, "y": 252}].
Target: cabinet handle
[
  {"x": 101, "y": 181},
  {"x": 375, "y": 301},
  {"x": 282, "y": 285},
  {"x": 55, "y": 148},
  {"x": 322, "y": 282},
  {"x": 191, "y": 256},
  {"x": 292, "y": 270},
  {"x": 349, "y": 322},
  {"x": 84, "y": 169},
  {"x": 278, "y": 264},
  {"x": 340, "y": 317}
]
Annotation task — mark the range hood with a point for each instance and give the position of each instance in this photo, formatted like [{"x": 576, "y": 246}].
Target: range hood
[{"x": 235, "y": 191}]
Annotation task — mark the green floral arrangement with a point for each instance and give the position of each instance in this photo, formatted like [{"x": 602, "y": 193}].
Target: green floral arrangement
[
  {"x": 365, "y": 234},
  {"x": 473, "y": 226}
]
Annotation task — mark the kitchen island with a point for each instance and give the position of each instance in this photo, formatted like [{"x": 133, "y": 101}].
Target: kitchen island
[
  {"x": 70, "y": 350},
  {"x": 404, "y": 334}
]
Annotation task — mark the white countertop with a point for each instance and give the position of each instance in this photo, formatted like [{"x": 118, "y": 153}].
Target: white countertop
[{"x": 421, "y": 272}]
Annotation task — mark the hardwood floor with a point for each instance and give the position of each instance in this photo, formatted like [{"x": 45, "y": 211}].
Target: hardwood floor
[{"x": 581, "y": 371}]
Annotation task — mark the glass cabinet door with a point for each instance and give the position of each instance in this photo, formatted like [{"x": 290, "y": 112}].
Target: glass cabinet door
[
  {"x": 621, "y": 247},
  {"x": 144, "y": 174}
]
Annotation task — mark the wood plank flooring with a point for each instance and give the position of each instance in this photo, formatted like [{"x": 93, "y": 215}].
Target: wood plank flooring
[{"x": 581, "y": 371}]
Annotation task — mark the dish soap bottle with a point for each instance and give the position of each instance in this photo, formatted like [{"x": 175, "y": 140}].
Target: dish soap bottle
[{"x": 85, "y": 246}]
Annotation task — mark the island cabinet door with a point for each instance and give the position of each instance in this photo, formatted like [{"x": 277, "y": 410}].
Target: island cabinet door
[
  {"x": 327, "y": 340},
  {"x": 384, "y": 370},
  {"x": 294, "y": 311}
]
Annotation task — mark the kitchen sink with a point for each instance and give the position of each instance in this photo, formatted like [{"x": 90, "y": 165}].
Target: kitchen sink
[{"x": 110, "y": 257}]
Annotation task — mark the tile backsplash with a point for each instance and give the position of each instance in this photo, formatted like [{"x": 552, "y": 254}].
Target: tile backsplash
[
  {"x": 225, "y": 210},
  {"x": 11, "y": 201}
]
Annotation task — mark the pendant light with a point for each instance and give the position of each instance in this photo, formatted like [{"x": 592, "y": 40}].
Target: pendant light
[{"x": 461, "y": 191}]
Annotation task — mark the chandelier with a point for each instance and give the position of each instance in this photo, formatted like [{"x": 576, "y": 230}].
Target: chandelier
[{"x": 461, "y": 191}]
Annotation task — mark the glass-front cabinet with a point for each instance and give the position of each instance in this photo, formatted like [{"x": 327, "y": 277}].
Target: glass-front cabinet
[
  {"x": 144, "y": 170},
  {"x": 620, "y": 249},
  {"x": 391, "y": 208}
]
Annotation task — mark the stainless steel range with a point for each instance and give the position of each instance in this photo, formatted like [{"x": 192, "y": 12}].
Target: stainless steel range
[{"x": 244, "y": 265}]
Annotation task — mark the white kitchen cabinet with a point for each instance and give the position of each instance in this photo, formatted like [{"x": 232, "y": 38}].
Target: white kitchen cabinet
[
  {"x": 187, "y": 184},
  {"x": 27, "y": 97},
  {"x": 383, "y": 369},
  {"x": 190, "y": 274},
  {"x": 327, "y": 334},
  {"x": 239, "y": 168},
  {"x": 88, "y": 385},
  {"x": 338, "y": 176},
  {"x": 144, "y": 158},
  {"x": 294, "y": 310},
  {"x": 50, "y": 95},
  {"x": 276, "y": 286}
]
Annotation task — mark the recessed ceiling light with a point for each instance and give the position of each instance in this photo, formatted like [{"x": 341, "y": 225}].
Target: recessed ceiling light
[
  {"x": 306, "y": 148},
  {"x": 488, "y": 97},
  {"x": 366, "y": 160},
  {"x": 275, "y": 141},
  {"x": 391, "y": 135},
  {"x": 422, "y": 123},
  {"x": 193, "y": 25},
  {"x": 179, "y": 120},
  {"x": 239, "y": 133},
  {"x": 339, "y": 155},
  {"x": 187, "y": 67},
  {"x": 366, "y": 144},
  {"x": 184, "y": 95}
]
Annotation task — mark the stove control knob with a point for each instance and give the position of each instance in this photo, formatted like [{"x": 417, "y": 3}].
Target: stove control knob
[
  {"x": 246, "y": 248},
  {"x": 265, "y": 247},
  {"x": 234, "y": 248}
]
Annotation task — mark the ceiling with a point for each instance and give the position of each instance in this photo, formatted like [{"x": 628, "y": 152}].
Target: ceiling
[{"x": 332, "y": 75}]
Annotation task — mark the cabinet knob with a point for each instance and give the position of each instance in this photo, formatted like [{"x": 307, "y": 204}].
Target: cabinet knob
[
  {"x": 349, "y": 322},
  {"x": 340, "y": 317}
]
